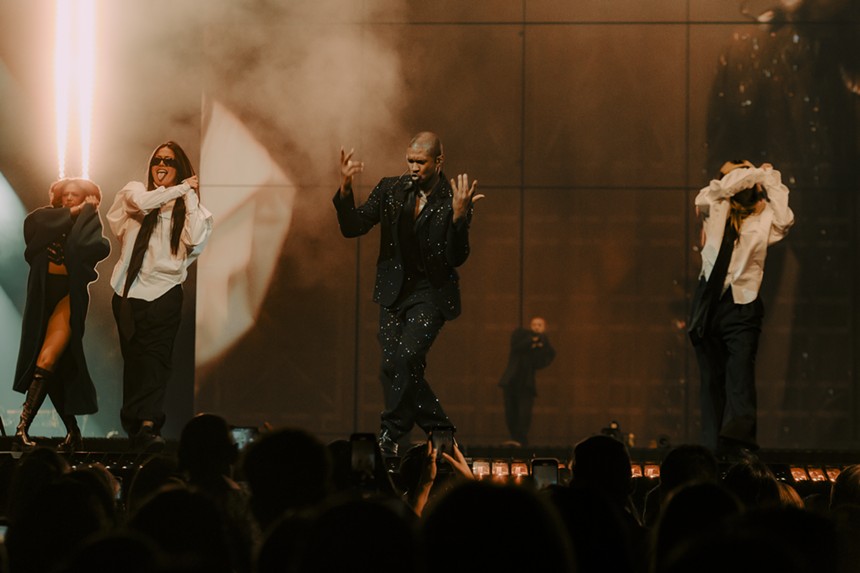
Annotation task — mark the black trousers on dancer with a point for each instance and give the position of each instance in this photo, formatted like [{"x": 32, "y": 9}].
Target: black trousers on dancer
[
  {"x": 406, "y": 332},
  {"x": 146, "y": 335},
  {"x": 726, "y": 357}
]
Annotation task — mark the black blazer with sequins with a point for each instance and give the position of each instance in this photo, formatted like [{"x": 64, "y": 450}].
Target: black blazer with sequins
[{"x": 443, "y": 244}]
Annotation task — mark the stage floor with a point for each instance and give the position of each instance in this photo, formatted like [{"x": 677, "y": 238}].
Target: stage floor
[
  {"x": 96, "y": 447},
  {"x": 810, "y": 469}
]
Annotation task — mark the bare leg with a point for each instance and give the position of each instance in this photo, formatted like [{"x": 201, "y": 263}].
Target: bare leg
[
  {"x": 56, "y": 340},
  {"x": 57, "y": 336}
]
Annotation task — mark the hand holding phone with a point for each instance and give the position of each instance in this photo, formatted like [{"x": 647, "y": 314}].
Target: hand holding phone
[
  {"x": 244, "y": 435},
  {"x": 442, "y": 439},
  {"x": 544, "y": 472},
  {"x": 363, "y": 455}
]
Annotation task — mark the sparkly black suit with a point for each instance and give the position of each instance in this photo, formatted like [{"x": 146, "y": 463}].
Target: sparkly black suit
[{"x": 417, "y": 288}]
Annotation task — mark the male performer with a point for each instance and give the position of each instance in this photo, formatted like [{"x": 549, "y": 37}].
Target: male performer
[
  {"x": 744, "y": 212},
  {"x": 530, "y": 351},
  {"x": 424, "y": 235}
]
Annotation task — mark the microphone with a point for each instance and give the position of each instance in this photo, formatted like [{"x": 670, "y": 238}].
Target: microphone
[{"x": 407, "y": 181}]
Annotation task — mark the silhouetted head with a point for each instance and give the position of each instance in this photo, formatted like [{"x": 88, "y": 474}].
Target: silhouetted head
[
  {"x": 688, "y": 463},
  {"x": 753, "y": 482},
  {"x": 846, "y": 489},
  {"x": 512, "y": 525},
  {"x": 187, "y": 527},
  {"x": 603, "y": 462},
  {"x": 286, "y": 470},
  {"x": 206, "y": 447}
]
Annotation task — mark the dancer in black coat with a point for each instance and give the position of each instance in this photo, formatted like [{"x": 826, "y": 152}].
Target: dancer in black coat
[{"x": 64, "y": 243}]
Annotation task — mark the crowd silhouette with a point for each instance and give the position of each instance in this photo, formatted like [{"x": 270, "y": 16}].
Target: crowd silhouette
[{"x": 290, "y": 502}]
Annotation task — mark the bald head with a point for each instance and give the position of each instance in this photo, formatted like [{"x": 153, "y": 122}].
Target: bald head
[
  {"x": 428, "y": 142},
  {"x": 424, "y": 158},
  {"x": 538, "y": 325}
]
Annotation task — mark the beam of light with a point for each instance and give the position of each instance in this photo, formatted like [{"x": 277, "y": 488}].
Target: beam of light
[
  {"x": 74, "y": 76},
  {"x": 61, "y": 82},
  {"x": 86, "y": 78}
]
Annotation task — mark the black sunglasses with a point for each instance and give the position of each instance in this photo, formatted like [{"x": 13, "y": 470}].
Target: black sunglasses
[{"x": 168, "y": 161}]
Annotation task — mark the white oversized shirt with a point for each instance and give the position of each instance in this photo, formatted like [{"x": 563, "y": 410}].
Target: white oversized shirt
[
  {"x": 758, "y": 231},
  {"x": 161, "y": 269}
]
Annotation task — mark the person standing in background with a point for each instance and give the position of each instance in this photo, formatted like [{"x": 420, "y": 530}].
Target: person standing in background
[
  {"x": 530, "y": 351},
  {"x": 162, "y": 228},
  {"x": 64, "y": 243}
]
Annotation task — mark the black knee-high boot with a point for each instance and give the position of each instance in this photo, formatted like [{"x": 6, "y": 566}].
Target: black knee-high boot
[
  {"x": 35, "y": 398},
  {"x": 74, "y": 441}
]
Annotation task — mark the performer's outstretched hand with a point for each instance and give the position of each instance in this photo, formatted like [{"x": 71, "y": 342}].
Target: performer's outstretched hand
[
  {"x": 348, "y": 168},
  {"x": 464, "y": 195}
]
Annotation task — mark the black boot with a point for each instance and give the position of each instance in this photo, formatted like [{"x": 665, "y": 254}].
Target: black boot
[
  {"x": 74, "y": 441},
  {"x": 146, "y": 440},
  {"x": 387, "y": 444},
  {"x": 35, "y": 398}
]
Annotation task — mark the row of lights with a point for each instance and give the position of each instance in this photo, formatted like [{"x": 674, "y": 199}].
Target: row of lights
[
  {"x": 539, "y": 471},
  {"x": 814, "y": 473},
  {"x": 483, "y": 469},
  {"x": 501, "y": 469}
]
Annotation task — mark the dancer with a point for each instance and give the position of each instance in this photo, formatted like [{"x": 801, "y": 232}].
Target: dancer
[
  {"x": 424, "y": 235},
  {"x": 744, "y": 212},
  {"x": 162, "y": 228},
  {"x": 64, "y": 243}
]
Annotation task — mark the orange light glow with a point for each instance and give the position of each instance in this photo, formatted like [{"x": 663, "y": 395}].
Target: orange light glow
[
  {"x": 481, "y": 468},
  {"x": 519, "y": 469},
  {"x": 74, "y": 76},
  {"x": 61, "y": 82},
  {"x": 651, "y": 471},
  {"x": 501, "y": 470},
  {"x": 86, "y": 78}
]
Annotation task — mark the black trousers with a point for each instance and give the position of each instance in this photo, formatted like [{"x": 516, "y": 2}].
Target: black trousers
[
  {"x": 147, "y": 332},
  {"x": 518, "y": 412},
  {"x": 406, "y": 333},
  {"x": 726, "y": 357}
]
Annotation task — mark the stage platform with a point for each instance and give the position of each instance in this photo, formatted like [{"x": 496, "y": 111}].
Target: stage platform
[
  {"x": 809, "y": 469},
  {"x": 655, "y": 455},
  {"x": 810, "y": 472},
  {"x": 107, "y": 451},
  {"x": 119, "y": 448}
]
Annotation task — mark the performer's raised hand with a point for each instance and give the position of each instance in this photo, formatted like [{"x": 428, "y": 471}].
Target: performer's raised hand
[
  {"x": 348, "y": 168},
  {"x": 92, "y": 200},
  {"x": 464, "y": 195},
  {"x": 193, "y": 183}
]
